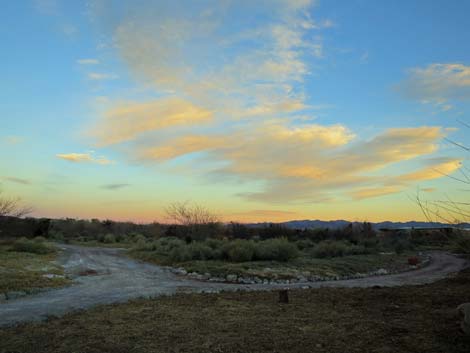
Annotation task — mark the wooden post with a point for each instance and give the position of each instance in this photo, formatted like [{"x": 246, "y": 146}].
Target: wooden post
[{"x": 284, "y": 296}]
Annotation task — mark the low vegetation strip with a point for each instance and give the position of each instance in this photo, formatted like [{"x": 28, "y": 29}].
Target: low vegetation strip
[
  {"x": 276, "y": 259},
  {"x": 402, "y": 319}
]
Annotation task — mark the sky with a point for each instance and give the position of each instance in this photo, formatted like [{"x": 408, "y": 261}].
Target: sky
[{"x": 266, "y": 110}]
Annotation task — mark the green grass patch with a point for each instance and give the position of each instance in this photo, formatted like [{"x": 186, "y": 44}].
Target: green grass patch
[{"x": 24, "y": 270}]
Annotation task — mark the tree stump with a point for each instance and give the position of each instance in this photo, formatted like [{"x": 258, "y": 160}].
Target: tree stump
[
  {"x": 284, "y": 296},
  {"x": 464, "y": 314}
]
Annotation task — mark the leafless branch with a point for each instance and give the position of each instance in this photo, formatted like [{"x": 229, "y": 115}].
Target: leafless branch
[
  {"x": 190, "y": 214},
  {"x": 12, "y": 207}
]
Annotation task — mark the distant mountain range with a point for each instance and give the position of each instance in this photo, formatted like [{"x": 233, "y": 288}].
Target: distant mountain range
[{"x": 312, "y": 224}]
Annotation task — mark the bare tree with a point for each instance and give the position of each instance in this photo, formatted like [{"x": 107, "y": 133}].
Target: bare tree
[
  {"x": 188, "y": 214},
  {"x": 12, "y": 207},
  {"x": 449, "y": 210}
]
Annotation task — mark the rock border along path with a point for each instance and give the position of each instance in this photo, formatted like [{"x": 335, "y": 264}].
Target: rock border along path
[{"x": 112, "y": 277}]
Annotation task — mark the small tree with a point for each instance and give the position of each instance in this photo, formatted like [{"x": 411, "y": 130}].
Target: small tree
[
  {"x": 12, "y": 207},
  {"x": 197, "y": 221},
  {"x": 188, "y": 214}
]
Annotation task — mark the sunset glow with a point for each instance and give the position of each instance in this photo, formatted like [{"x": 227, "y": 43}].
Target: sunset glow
[{"x": 266, "y": 110}]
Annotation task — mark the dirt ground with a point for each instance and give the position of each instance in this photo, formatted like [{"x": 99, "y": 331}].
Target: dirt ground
[
  {"x": 111, "y": 277},
  {"x": 388, "y": 319}
]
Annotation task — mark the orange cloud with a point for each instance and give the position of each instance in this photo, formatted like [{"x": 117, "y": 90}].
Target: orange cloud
[
  {"x": 127, "y": 121},
  {"x": 83, "y": 158}
]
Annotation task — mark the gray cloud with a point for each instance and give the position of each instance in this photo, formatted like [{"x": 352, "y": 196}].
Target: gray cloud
[{"x": 114, "y": 186}]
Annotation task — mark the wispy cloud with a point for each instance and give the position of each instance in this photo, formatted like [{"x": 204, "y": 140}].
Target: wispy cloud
[
  {"x": 115, "y": 186},
  {"x": 437, "y": 84},
  {"x": 100, "y": 76},
  {"x": 268, "y": 214},
  {"x": 229, "y": 95},
  {"x": 13, "y": 140},
  {"x": 128, "y": 120},
  {"x": 84, "y": 158},
  {"x": 88, "y": 61},
  {"x": 17, "y": 180}
]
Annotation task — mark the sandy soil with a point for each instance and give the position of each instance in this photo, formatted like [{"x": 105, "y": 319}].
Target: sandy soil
[{"x": 113, "y": 277}]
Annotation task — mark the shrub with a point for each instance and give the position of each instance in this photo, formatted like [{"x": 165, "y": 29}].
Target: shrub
[
  {"x": 330, "y": 249},
  {"x": 39, "y": 239},
  {"x": 200, "y": 251},
  {"x": 241, "y": 251},
  {"x": 109, "y": 239},
  {"x": 461, "y": 245},
  {"x": 369, "y": 243},
  {"x": 180, "y": 254},
  {"x": 169, "y": 243},
  {"x": 25, "y": 245},
  {"x": 139, "y": 238},
  {"x": 279, "y": 249},
  {"x": 305, "y": 244}
]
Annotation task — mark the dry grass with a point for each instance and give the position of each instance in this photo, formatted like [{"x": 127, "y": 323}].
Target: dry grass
[
  {"x": 405, "y": 319},
  {"x": 23, "y": 271}
]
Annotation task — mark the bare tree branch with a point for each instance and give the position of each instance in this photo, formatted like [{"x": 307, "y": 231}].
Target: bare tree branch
[
  {"x": 190, "y": 214},
  {"x": 11, "y": 207}
]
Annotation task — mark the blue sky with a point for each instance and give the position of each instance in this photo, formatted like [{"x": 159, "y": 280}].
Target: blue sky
[{"x": 261, "y": 111}]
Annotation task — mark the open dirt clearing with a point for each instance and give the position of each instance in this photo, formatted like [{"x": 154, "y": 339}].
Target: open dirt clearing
[{"x": 104, "y": 275}]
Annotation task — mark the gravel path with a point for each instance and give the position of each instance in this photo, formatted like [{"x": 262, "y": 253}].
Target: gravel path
[{"x": 119, "y": 279}]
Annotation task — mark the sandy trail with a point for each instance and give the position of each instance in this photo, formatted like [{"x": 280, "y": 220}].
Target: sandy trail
[{"x": 120, "y": 278}]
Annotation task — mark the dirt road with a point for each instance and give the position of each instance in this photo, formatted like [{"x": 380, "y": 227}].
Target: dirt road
[{"x": 118, "y": 279}]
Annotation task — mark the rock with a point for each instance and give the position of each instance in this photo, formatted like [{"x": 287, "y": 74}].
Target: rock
[
  {"x": 464, "y": 313},
  {"x": 206, "y": 276},
  {"x": 382, "y": 272},
  {"x": 231, "y": 278},
  {"x": 52, "y": 275}
]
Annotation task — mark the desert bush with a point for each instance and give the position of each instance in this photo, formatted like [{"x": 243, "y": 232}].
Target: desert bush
[
  {"x": 330, "y": 248},
  {"x": 279, "y": 249},
  {"x": 370, "y": 243},
  {"x": 461, "y": 245},
  {"x": 109, "y": 238},
  {"x": 58, "y": 236},
  {"x": 139, "y": 238},
  {"x": 39, "y": 239},
  {"x": 169, "y": 243},
  {"x": 240, "y": 251},
  {"x": 30, "y": 246},
  {"x": 200, "y": 251},
  {"x": 180, "y": 254},
  {"x": 358, "y": 250},
  {"x": 305, "y": 244}
]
